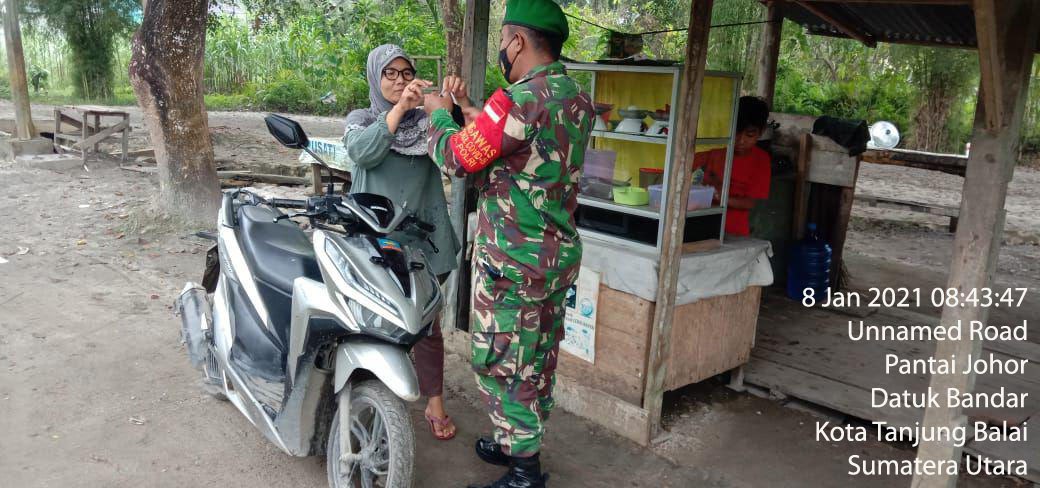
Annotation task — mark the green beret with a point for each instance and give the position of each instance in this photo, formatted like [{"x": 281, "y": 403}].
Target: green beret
[{"x": 541, "y": 15}]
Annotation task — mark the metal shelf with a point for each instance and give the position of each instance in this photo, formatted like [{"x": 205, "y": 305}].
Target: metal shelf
[
  {"x": 648, "y": 249},
  {"x": 634, "y": 68},
  {"x": 700, "y": 212},
  {"x": 642, "y": 210},
  {"x": 626, "y": 68},
  {"x": 625, "y": 136}
]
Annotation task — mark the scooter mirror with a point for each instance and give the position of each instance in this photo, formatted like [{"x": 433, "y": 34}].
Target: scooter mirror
[{"x": 287, "y": 131}]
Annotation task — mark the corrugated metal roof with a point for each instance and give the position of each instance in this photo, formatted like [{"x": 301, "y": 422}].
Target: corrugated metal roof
[{"x": 896, "y": 22}]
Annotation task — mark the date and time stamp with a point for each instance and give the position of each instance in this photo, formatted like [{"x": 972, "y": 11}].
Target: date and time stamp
[
  {"x": 978, "y": 362},
  {"x": 918, "y": 297}
]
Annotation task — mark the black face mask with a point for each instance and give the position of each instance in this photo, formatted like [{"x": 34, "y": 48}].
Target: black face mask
[{"x": 504, "y": 63}]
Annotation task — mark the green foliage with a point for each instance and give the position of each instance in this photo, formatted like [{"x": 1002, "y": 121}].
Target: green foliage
[
  {"x": 90, "y": 29},
  {"x": 287, "y": 55},
  {"x": 293, "y": 64},
  {"x": 1030, "y": 148}
]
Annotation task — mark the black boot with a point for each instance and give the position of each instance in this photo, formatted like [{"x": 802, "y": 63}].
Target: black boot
[
  {"x": 524, "y": 472},
  {"x": 490, "y": 452}
]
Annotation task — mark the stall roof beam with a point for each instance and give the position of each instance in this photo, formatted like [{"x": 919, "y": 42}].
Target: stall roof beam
[
  {"x": 890, "y": 2},
  {"x": 994, "y": 145},
  {"x": 939, "y": 23},
  {"x": 846, "y": 28},
  {"x": 674, "y": 202}
]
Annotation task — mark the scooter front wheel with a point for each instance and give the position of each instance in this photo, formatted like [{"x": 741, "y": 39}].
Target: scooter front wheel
[{"x": 382, "y": 441}]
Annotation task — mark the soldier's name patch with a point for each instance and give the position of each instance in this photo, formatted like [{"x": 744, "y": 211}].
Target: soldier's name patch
[{"x": 480, "y": 143}]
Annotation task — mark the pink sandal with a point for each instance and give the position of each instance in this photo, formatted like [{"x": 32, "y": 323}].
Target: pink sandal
[{"x": 442, "y": 423}]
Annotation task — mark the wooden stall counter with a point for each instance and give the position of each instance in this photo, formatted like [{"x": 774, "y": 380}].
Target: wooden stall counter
[{"x": 716, "y": 314}]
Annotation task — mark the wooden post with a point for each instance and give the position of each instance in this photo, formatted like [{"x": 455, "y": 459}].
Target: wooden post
[
  {"x": 57, "y": 131},
  {"x": 679, "y": 181},
  {"x": 770, "y": 53},
  {"x": 16, "y": 70},
  {"x": 474, "y": 64},
  {"x": 85, "y": 129},
  {"x": 126, "y": 136},
  {"x": 474, "y": 55},
  {"x": 801, "y": 187},
  {"x": 977, "y": 243}
]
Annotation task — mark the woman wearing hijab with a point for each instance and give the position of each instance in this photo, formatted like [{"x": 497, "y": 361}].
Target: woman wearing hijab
[{"x": 387, "y": 143}]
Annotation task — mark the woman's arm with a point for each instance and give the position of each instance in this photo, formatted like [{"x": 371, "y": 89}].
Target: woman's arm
[{"x": 368, "y": 147}]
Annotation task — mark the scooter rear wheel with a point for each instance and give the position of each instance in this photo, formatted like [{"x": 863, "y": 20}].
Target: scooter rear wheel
[{"x": 382, "y": 441}]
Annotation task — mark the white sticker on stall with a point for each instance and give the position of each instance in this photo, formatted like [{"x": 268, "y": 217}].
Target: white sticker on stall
[{"x": 579, "y": 322}]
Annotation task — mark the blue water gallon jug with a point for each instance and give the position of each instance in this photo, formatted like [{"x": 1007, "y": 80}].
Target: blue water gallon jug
[{"x": 809, "y": 267}]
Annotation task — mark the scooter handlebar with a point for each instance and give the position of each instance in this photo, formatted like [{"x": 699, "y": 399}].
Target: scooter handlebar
[{"x": 287, "y": 203}]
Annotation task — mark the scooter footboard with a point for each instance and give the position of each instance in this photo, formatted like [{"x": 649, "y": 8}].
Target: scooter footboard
[{"x": 387, "y": 362}]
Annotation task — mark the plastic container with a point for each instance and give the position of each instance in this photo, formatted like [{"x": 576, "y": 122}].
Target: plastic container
[
  {"x": 700, "y": 197},
  {"x": 596, "y": 187},
  {"x": 631, "y": 195},
  {"x": 599, "y": 164},
  {"x": 809, "y": 267},
  {"x": 654, "y": 192},
  {"x": 650, "y": 176}
]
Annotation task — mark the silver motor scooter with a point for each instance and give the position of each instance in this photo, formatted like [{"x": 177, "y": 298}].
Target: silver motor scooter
[{"x": 309, "y": 337}]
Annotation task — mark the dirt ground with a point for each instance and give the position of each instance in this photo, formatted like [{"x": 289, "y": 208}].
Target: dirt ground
[{"x": 96, "y": 389}]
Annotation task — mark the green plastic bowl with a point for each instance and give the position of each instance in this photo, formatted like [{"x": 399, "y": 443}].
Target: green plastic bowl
[{"x": 631, "y": 195}]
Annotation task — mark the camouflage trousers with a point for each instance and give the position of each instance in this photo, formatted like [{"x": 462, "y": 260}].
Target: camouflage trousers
[{"x": 516, "y": 339}]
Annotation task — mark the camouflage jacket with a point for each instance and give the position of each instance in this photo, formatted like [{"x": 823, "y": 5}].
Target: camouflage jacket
[{"x": 526, "y": 152}]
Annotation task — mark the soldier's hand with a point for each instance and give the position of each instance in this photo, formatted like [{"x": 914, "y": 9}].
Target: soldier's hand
[
  {"x": 457, "y": 86},
  {"x": 434, "y": 101},
  {"x": 470, "y": 114}
]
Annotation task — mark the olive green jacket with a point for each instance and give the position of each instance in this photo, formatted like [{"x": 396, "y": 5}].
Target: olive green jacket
[{"x": 410, "y": 181}]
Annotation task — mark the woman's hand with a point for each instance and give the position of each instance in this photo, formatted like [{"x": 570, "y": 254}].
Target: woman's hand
[
  {"x": 457, "y": 87},
  {"x": 411, "y": 98},
  {"x": 413, "y": 95}
]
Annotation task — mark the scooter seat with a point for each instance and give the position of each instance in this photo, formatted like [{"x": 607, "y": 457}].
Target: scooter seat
[{"x": 277, "y": 253}]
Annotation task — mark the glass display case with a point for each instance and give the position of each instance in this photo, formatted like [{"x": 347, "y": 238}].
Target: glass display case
[{"x": 633, "y": 146}]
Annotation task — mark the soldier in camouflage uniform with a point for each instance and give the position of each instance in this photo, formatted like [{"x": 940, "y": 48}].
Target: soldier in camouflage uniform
[{"x": 526, "y": 149}]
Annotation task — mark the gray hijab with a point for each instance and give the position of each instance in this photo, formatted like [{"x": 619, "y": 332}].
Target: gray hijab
[{"x": 410, "y": 138}]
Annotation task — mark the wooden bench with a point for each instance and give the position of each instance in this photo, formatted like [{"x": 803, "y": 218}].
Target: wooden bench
[
  {"x": 85, "y": 135},
  {"x": 943, "y": 210}
]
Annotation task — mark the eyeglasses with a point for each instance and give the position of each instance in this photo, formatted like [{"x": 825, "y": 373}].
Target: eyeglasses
[{"x": 392, "y": 74}]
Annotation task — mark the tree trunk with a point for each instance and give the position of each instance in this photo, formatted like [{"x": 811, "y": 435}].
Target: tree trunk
[
  {"x": 452, "y": 15},
  {"x": 166, "y": 68},
  {"x": 24, "y": 129}
]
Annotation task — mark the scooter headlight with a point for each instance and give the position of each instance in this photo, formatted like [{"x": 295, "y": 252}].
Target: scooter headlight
[{"x": 369, "y": 298}]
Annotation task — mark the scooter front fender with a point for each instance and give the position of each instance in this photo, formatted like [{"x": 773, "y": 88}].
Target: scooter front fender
[{"x": 387, "y": 362}]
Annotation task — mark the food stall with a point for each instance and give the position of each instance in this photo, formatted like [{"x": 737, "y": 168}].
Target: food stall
[{"x": 605, "y": 365}]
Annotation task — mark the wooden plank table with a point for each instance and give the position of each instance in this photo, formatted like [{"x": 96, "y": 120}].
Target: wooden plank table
[{"x": 85, "y": 134}]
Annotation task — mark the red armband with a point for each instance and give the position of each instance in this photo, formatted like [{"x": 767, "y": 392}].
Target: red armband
[{"x": 480, "y": 143}]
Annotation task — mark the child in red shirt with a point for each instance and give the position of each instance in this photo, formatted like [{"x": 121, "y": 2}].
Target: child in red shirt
[{"x": 749, "y": 178}]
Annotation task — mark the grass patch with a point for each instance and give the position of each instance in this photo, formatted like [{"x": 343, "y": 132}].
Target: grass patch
[
  {"x": 229, "y": 102},
  {"x": 64, "y": 96}
]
